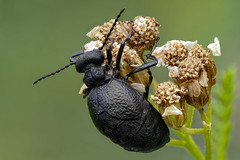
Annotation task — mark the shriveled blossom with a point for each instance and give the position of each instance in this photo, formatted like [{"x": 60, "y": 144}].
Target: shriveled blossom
[
  {"x": 119, "y": 33},
  {"x": 199, "y": 52},
  {"x": 191, "y": 66},
  {"x": 192, "y": 75},
  {"x": 171, "y": 103},
  {"x": 173, "y": 52},
  {"x": 144, "y": 33}
]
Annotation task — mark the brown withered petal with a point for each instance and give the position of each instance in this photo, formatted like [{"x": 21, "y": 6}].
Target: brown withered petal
[
  {"x": 200, "y": 101},
  {"x": 199, "y": 52},
  {"x": 203, "y": 79},
  {"x": 193, "y": 87},
  {"x": 211, "y": 72}
]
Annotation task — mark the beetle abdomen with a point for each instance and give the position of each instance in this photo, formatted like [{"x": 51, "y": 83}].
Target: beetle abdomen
[{"x": 142, "y": 131}]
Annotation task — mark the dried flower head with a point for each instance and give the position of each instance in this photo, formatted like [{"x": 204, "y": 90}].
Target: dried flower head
[
  {"x": 191, "y": 66},
  {"x": 191, "y": 74},
  {"x": 207, "y": 61},
  {"x": 171, "y": 103},
  {"x": 119, "y": 33},
  {"x": 189, "y": 69},
  {"x": 144, "y": 34},
  {"x": 173, "y": 52}
]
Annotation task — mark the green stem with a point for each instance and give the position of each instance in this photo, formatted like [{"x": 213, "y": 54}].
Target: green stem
[
  {"x": 192, "y": 130},
  {"x": 208, "y": 142},
  {"x": 188, "y": 144},
  {"x": 193, "y": 149},
  {"x": 190, "y": 116},
  {"x": 206, "y": 120},
  {"x": 203, "y": 116},
  {"x": 175, "y": 142},
  {"x": 209, "y": 106}
]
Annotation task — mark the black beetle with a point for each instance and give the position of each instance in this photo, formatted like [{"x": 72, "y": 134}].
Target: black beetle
[{"x": 117, "y": 110}]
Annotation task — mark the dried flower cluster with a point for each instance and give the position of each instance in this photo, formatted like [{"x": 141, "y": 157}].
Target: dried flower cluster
[
  {"x": 194, "y": 73},
  {"x": 189, "y": 64},
  {"x": 171, "y": 103},
  {"x": 191, "y": 67},
  {"x": 144, "y": 34}
]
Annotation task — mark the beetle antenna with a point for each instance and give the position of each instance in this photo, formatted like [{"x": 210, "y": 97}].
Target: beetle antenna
[
  {"x": 48, "y": 75},
  {"x": 109, "y": 33}
]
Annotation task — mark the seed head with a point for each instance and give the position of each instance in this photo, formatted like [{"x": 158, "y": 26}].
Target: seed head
[
  {"x": 171, "y": 104},
  {"x": 207, "y": 61},
  {"x": 173, "y": 52}
]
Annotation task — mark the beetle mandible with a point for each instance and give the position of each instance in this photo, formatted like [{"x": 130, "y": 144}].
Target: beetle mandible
[{"x": 117, "y": 110}]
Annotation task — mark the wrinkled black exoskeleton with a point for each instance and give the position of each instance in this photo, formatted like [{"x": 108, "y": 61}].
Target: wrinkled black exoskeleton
[{"x": 117, "y": 110}]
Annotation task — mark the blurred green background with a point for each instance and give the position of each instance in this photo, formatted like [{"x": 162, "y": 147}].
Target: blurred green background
[{"x": 50, "y": 121}]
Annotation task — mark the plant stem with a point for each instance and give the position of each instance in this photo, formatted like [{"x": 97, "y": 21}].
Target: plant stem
[
  {"x": 208, "y": 142},
  {"x": 193, "y": 149},
  {"x": 190, "y": 116},
  {"x": 206, "y": 120},
  {"x": 203, "y": 116},
  {"x": 193, "y": 130},
  {"x": 209, "y": 106},
  {"x": 175, "y": 142},
  {"x": 189, "y": 145}
]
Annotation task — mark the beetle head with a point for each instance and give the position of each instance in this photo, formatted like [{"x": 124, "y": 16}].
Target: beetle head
[{"x": 86, "y": 60}]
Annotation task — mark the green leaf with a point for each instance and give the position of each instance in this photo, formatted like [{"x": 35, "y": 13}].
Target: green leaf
[{"x": 222, "y": 106}]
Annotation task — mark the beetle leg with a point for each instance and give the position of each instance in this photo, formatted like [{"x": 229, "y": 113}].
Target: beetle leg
[
  {"x": 86, "y": 91},
  {"x": 120, "y": 51},
  {"x": 144, "y": 66},
  {"x": 72, "y": 58},
  {"x": 147, "y": 65},
  {"x": 109, "y": 53},
  {"x": 148, "y": 85}
]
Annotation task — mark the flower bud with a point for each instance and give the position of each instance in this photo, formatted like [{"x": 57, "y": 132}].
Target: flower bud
[{"x": 171, "y": 104}]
